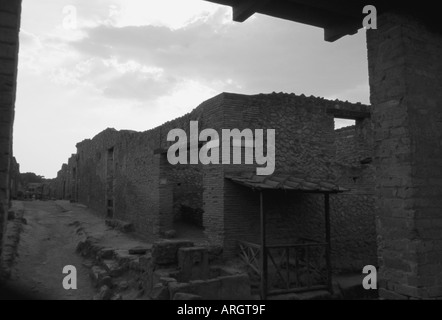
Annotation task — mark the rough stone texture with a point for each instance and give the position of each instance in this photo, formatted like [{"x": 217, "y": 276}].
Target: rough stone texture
[
  {"x": 106, "y": 253},
  {"x": 186, "y": 296},
  {"x": 12, "y": 238},
  {"x": 113, "y": 268},
  {"x": 100, "y": 277},
  {"x": 104, "y": 294},
  {"x": 236, "y": 287},
  {"x": 165, "y": 252},
  {"x": 139, "y": 250},
  {"x": 306, "y": 143},
  {"x": 405, "y": 68},
  {"x": 160, "y": 292},
  {"x": 193, "y": 264},
  {"x": 9, "y": 29},
  {"x": 126, "y": 175},
  {"x": 120, "y": 225}
]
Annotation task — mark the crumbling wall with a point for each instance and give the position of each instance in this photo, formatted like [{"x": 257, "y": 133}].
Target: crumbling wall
[
  {"x": 146, "y": 189},
  {"x": 347, "y": 151},
  {"x": 9, "y": 29},
  {"x": 306, "y": 143},
  {"x": 303, "y": 143},
  {"x": 151, "y": 193},
  {"x": 92, "y": 157}
]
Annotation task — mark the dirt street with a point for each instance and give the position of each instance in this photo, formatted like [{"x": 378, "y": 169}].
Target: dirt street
[{"x": 47, "y": 244}]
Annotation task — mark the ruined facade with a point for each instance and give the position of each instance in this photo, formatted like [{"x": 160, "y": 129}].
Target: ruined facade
[
  {"x": 9, "y": 29},
  {"x": 125, "y": 175}
]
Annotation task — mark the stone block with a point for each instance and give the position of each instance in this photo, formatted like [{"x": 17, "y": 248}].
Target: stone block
[
  {"x": 166, "y": 280},
  {"x": 235, "y": 287},
  {"x": 122, "y": 286},
  {"x": 99, "y": 277},
  {"x": 165, "y": 252},
  {"x": 113, "y": 268},
  {"x": 161, "y": 274},
  {"x": 390, "y": 295},
  {"x": 139, "y": 250},
  {"x": 120, "y": 225},
  {"x": 193, "y": 263},
  {"x": 117, "y": 297},
  {"x": 186, "y": 296},
  {"x": 105, "y": 293},
  {"x": 123, "y": 257},
  {"x": 215, "y": 253},
  {"x": 160, "y": 292},
  {"x": 106, "y": 253},
  {"x": 145, "y": 262}
]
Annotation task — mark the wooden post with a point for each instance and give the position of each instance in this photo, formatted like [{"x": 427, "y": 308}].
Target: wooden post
[
  {"x": 263, "y": 248},
  {"x": 328, "y": 241}
]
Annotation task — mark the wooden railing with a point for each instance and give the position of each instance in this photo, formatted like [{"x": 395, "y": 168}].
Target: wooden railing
[
  {"x": 250, "y": 253},
  {"x": 290, "y": 267}
]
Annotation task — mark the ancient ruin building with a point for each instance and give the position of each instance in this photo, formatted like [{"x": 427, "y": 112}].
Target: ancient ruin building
[
  {"x": 125, "y": 175},
  {"x": 405, "y": 79}
]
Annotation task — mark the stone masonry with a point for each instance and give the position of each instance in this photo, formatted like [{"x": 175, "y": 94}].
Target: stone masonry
[
  {"x": 9, "y": 29},
  {"x": 125, "y": 175},
  {"x": 405, "y": 65}
]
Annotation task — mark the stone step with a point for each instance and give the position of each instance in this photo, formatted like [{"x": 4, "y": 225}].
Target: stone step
[
  {"x": 113, "y": 268},
  {"x": 140, "y": 250}
]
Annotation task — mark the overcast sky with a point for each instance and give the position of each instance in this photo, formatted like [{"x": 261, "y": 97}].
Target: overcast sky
[{"x": 134, "y": 64}]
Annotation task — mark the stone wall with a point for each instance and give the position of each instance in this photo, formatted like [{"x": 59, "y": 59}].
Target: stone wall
[
  {"x": 15, "y": 180},
  {"x": 136, "y": 183},
  {"x": 306, "y": 143},
  {"x": 126, "y": 175},
  {"x": 9, "y": 29},
  {"x": 405, "y": 68}
]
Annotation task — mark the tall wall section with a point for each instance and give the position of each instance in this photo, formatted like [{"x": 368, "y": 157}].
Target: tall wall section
[{"x": 9, "y": 29}]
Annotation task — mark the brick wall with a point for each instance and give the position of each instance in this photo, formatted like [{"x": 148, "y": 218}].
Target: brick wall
[
  {"x": 305, "y": 143},
  {"x": 9, "y": 29},
  {"x": 148, "y": 191},
  {"x": 352, "y": 212},
  {"x": 405, "y": 78}
]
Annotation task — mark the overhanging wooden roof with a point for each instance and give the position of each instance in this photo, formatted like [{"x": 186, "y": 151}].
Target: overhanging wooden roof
[
  {"x": 337, "y": 17},
  {"x": 288, "y": 182}
]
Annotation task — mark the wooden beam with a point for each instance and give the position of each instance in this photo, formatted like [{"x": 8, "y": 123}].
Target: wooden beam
[
  {"x": 354, "y": 112},
  {"x": 246, "y": 9},
  {"x": 263, "y": 248},
  {"x": 351, "y": 8},
  {"x": 328, "y": 241}
]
